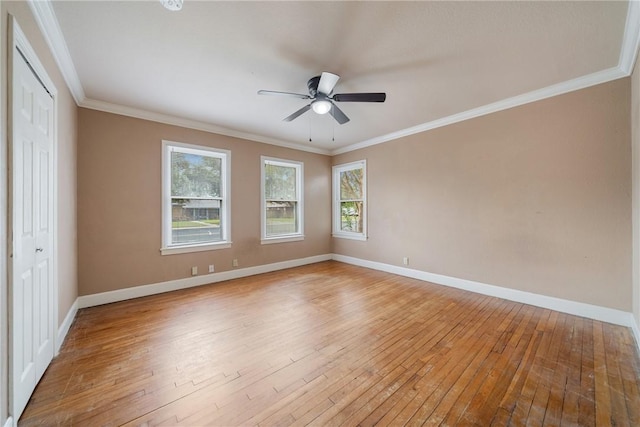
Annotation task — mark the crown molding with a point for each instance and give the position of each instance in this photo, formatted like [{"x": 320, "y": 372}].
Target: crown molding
[
  {"x": 536, "y": 95},
  {"x": 48, "y": 24},
  {"x": 628, "y": 55},
  {"x": 631, "y": 38},
  {"x": 45, "y": 17},
  {"x": 193, "y": 124}
]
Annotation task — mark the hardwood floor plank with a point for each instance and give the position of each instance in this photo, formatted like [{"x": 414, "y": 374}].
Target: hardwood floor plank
[
  {"x": 521, "y": 337},
  {"x": 429, "y": 388},
  {"x": 524, "y": 403},
  {"x": 278, "y": 409},
  {"x": 570, "y": 409},
  {"x": 501, "y": 370},
  {"x": 558, "y": 388},
  {"x": 335, "y": 344},
  {"x": 620, "y": 413},
  {"x": 602, "y": 389},
  {"x": 546, "y": 365},
  {"x": 403, "y": 387},
  {"x": 443, "y": 397},
  {"x": 627, "y": 371},
  {"x": 587, "y": 400}
]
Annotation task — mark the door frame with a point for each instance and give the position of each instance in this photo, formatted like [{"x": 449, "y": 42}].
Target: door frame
[{"x": 20, "y": 42}]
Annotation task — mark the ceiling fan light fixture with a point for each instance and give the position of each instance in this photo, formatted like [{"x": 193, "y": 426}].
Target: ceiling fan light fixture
[
  {"x": 172, "y": 4},
  {"x": 321, "y": 106}
]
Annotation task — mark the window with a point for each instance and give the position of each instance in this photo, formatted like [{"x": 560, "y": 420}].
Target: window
[
  {"x": 195, "y": 205},
  {"x": 350, "y": 200},
  {"x": 282, "y": 210}
]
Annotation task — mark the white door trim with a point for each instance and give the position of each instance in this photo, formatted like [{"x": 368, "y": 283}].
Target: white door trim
[{"x": 19, "y": 41}]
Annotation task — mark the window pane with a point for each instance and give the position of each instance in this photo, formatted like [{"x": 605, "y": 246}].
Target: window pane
[
  {"x": 351, "y": 184},
  {"x": 195, "y": 221},
  {"x": 194, "y": 175},
  {"x": 279, "y": 182},
  {"x": 351, "y": 216},
  {"x": 281, "y": 218}
]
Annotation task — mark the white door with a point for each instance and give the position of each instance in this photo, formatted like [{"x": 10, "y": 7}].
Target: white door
[{"x": 31, "y": 263}]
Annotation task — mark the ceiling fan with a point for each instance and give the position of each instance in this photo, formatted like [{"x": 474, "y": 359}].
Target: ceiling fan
[{"x": 322, "y": 100}]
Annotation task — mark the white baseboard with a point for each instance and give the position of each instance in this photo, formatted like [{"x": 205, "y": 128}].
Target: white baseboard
[
  {"x": 66, "y": 324},
  {"x": 9, "y": 422},
  {"x": 590, "y": 311},
  {"x": 189, "y": 282},
  {"x": 609, "y": 315}
]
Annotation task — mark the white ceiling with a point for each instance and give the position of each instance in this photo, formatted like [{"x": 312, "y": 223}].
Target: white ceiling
[{"x": 438, "y": 62}]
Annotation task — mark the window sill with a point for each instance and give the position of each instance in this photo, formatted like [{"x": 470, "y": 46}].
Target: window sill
[
  {"x": 350, "y": 236},
  {"x": 285, "y": 239},
  {"x": 194, "y": 248}
]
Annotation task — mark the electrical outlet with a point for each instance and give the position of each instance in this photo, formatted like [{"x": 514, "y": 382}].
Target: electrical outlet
[
  {"x": 211, "y": 268},
  {"x": 194, "y": 271},
  {"x": 234, "y": 262},
  {"x": 405, "y": 260}
]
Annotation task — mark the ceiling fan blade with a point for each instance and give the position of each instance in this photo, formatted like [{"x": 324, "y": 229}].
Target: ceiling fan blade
[
  {"x": 297, "y": 113},
  {"x": 338, "y": 114},
  {"x": 273, "y": 92},
  {"x": 327, "y": 82},
  {"x": 360, "y": 97}
]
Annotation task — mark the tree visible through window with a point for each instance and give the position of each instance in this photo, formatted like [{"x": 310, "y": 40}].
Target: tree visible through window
[
  {"x": 196, "y": 197},
  {"x": 349, "y": 200},
  {"x": 282, "y": 195}
]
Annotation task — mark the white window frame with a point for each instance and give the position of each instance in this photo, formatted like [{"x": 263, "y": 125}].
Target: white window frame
[
  {"x": 299, "y": 234},
  {"x": 169, "y": 248},
  {"x": 336, "y": 213}
]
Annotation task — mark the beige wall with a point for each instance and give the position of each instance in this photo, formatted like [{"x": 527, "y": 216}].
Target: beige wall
[
  {"x": 535, "y": 198},
  {"x": 66, "y": 176},
  {"x": 119, "y": 204}
]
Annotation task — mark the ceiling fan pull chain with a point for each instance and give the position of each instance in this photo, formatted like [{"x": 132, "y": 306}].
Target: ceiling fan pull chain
[{"x": 333, "y": 127}]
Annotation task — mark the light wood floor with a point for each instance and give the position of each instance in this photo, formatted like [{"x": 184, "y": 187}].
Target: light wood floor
[{"x": 333, "y": 344}]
